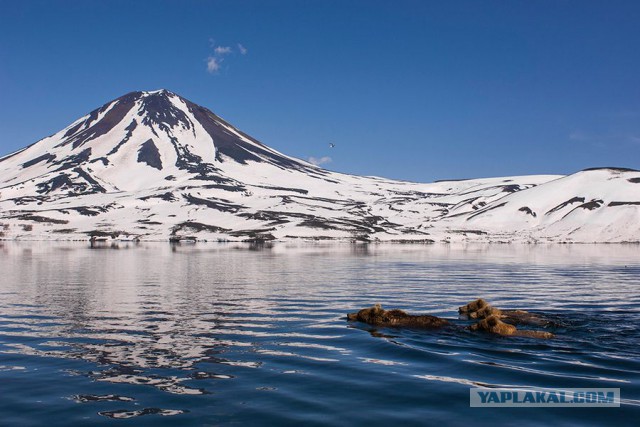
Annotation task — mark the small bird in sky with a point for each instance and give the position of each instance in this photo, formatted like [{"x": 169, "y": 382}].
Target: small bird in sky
[{"x": 331, "y": 145}]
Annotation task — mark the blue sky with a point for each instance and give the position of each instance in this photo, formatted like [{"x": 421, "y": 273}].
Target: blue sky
[{"x": 415, "y": 90}]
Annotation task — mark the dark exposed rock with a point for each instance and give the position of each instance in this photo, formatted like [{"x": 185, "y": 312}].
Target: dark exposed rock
[
  {"x": 73, "y": 161},
  {"x": 611, "y": 168},
  {"x": 168, "y": 196},
  {"x": 527, "y": 210},
  {"x": 503, "y": 188},
  {"x": 293, "y": 190},
  {"x": 73, "y": 129},
  {"x": 150, "y": 155},
  {"x": 42, "y": 219},
  {"x": 86, "y": 185},
  {"x": 27, "y": 199},
  {"x": 92, "y": 129},
  {"x": 65, "y": 231},
  {"x": 511, "y": 188},
  {"x": 44, "y": 158},
  {"x": 244, "y": 148},
  {"x": 274, "y": 218},
  {"x": 232, "y": 188},
  {"x": 218, "y": 204},
  {"x": 104, "y": 160},
  {"x": 197, "y": 226},
  {"x": 95, "y": 185},
  {"x": 193, "y": 163},
  {"x": 162, "y": 113},
  {"x": 126, "y": 138},
  {"x": 369, "y": 224},
  {"x": 487, "y": 209},
  {"x": 465, "y": 232},
  {"x": 623, "y": 203},
  {"x": 149, "y": 222},
  {"x": 594, "y": 204},
  {"x": 568, "y": 202},
  {"x": 86, "y": 211},
  {"x": 55, "y": 183}
]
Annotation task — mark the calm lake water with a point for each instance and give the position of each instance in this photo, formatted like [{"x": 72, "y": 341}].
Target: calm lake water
[{"x": 224, "y": 334}]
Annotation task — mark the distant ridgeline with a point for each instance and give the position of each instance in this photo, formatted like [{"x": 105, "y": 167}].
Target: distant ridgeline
[{"x": 155, "y": 166}]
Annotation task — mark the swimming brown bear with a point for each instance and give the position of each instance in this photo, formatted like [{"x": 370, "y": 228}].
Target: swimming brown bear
[
  {"x": 378, "y": 316},
  {"x": 494, "y": 325},
  {"x": 480, "y": 309},
  {"x": 490, "y": 319}
]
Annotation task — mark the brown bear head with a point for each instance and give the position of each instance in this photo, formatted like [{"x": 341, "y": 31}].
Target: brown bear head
[
  {"x": 473, "y": 306},
  {"x": 368, "y": 315},
  {"x": 485, "y": 312},
  {"x": 376, "y": 315},
  {"x": 494, "y": 325}
]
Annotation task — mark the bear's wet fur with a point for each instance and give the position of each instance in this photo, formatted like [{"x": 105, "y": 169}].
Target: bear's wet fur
[
  {"x": 490, "y": 319},
  {"x": 485, "y": 312},
  {"x": 378, "y": 316},
  {"x": 480, "y": 309},
  {"x": 503, "y": 322},
  {"x": 494, "y": 325}
]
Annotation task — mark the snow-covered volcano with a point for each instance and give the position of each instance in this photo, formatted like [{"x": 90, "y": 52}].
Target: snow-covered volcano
[{"x": 155, "y": 166}]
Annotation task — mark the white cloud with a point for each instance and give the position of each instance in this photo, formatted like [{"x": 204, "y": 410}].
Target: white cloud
[
  {"x": 319, "y": 161},
  {"x": 213, "y": 64},
  {"x": 222, "y": 50},
  {"x": 214, "y": 61}
]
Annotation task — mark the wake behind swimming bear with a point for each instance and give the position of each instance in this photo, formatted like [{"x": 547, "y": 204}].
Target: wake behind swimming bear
[{"x": 378, "y": 316}]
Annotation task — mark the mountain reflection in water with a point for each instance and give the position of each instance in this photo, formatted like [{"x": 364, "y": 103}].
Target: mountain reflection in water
[{"x": 224, "y": 333}]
